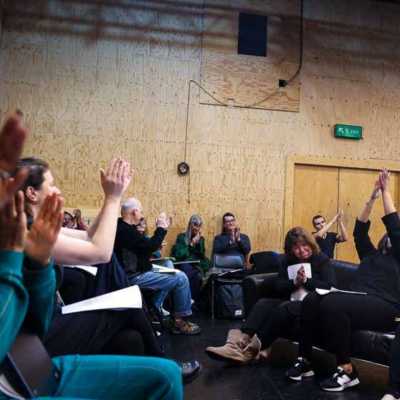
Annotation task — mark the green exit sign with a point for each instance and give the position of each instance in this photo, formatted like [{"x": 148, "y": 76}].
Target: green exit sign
[{"x": 348, "y": 131}]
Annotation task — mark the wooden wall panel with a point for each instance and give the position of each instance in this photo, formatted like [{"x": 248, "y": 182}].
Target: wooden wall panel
[
  {"x": 104, "y": 79},
  {"x": 242, "y": 80},
  {"x": 315, "y": 192}
]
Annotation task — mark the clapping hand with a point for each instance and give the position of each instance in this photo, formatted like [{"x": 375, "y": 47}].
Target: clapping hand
[
  {"x": 12, "y": 138},
  {"x": 195, "y": 239},
  {"x": 384, "y": 178},
  {"x": 300, "y": 277},
  {"x": 13, "y": 224},
  {"x": 162, "y": 221},
  {"x": 44, "y": 231},
  {"x": 116, "y": 178}
]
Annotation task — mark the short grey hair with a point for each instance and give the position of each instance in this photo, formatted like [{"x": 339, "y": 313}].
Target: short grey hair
[{"x": 130, "y": 204}]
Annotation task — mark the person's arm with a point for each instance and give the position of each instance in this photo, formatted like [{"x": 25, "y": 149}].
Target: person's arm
[
  {"x": 321, "y": 233},
  {"x": 13, "y": 296},
  {"x": 98, "y": 248},
  {"x": 39, "y": 274},
  {"x": 181, "y": 248},
  {"x": 283, "y": 285},
  {"x": 391, "y": 218},
  {"x": 244, "y": 244},
  {"x": 323, "y": 275},
  {"x": 362, "y": 240},
  {"x": 342, "y": 235}
]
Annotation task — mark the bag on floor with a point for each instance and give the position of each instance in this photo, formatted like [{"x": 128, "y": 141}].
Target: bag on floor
[{"x": 229, "y": 301}]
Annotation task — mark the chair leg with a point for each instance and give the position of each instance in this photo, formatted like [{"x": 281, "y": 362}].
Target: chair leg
[{"x": 212, "y": 298}]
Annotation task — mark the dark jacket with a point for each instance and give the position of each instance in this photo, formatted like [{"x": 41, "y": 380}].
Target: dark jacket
[
  {"x": 134, "y": 250},
  {"x": 224, "y": 245},
  {"x": 323, "y": 275},
  {"x": 378, "y": 273}
]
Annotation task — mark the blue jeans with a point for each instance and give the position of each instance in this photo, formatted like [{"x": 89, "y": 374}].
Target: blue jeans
[
  {"x": 117, "y": 377},
  {"x": 162, "y": 283}
]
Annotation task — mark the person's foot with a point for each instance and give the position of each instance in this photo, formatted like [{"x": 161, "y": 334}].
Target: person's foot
[
  {"x": 183, "y": 327},
  {"x": 389, "y": 396},
  {"x": 340, "y": 381},
  {"x": 190, "y": 370},
  {"x": 301, "y": 369}
]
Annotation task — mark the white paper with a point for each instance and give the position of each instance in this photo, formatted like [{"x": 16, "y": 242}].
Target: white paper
[
  {"x": 323, "y": 292},
  {"x": 163, "y": 270},
  {"x": 129, "y": 297},
  {"x": 293, "y": 269},
  {"x": 87, "y": 268}
]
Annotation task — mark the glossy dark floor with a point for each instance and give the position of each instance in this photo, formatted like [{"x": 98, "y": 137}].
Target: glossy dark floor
[{"x": 218, "y": 381}]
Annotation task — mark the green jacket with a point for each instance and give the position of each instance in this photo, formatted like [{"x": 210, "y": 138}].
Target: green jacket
[
  {"x": 182, "y": 251},
  {"x": 24, "y": 291}
]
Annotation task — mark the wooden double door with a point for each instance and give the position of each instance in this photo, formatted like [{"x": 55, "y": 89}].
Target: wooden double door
[{"x": 324, "y": 190}]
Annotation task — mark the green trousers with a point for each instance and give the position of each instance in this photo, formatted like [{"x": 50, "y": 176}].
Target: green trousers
[{"x": 117, "y": 377}]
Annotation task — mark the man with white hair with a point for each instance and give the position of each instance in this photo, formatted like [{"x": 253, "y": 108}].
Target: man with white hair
[{"x": 134, "y": 251}]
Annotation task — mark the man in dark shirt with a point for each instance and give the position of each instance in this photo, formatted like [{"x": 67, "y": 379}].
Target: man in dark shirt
[
  {"x": 231, "y": 242},
  {"x": 327, "y": 240},
  {"x": 134, "y": 251}
]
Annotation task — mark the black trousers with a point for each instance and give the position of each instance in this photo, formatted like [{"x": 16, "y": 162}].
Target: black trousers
[
  {"x": 341, "y": 314},
  {"x": 271, "y": 319},
  {"x": 102, "y": 332},
  {"x": 259, "y": 315},
  {"x": 394, "y": 369}
]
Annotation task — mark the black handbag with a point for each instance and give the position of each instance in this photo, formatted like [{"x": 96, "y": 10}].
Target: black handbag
[{"x": 29, "y": 369}]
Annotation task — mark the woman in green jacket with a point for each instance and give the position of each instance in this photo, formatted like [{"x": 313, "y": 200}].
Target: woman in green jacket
[{"x": 190, "y": 247}]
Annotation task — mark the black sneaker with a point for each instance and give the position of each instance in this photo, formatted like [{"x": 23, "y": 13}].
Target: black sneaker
[
  {"x": 340, "y": 381},
  {"x": 301, "y": 369}
]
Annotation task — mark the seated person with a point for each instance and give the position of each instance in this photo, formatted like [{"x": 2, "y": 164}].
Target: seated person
[
  {"x": 156, "y": 257},
  {"x": 123, "y": 332},
  {"x": 80, "y": 224},
  {"x": 378, "y": 276},
  {"x": 393, "y": 391},
  {"x": 327, "y": 240},
  {"x": 270, "y": 318},
  {"x": 68, "y": 221},
  {"x": 190, "y": 246},
  {"x": 231, "y": 241},
  {"x": 134, "y": 251},
  {"x": 27, "y": 290}
]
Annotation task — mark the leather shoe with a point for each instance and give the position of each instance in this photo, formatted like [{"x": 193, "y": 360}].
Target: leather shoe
[{"x": 190, "y": 370}]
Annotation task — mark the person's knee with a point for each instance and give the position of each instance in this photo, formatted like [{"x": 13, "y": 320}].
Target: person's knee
[{"x": 182, "y": 279}]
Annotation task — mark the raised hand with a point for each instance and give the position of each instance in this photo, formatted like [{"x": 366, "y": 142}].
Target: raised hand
[
  {"x": 163, "y": 221},
  {"x": 237, "y": 234},
  {"x": 116, "y": 178},
  {"x": 196, "y": 239},
  {"x": 384, "y": 178},
  {"x": 13, "y": 224},
  {"x": 12, "y": 138},
  {"x": 44, "y": 231}
]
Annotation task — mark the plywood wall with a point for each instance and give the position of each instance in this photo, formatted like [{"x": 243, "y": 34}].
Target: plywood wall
[{"x": 98, "y": 80}]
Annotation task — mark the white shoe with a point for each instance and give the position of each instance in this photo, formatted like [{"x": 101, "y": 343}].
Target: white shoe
[{"x": 390, "y": 397}]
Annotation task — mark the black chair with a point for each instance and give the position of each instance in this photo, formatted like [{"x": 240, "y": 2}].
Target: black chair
[{"x": 265, "y": 261}]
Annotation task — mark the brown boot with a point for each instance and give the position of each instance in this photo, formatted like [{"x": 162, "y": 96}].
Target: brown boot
[
  {"x": 252, "y": 351},
  {"x": 232, "y": 350}
]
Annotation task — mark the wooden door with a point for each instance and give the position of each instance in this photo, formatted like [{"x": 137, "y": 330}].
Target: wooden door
[
  {"x": 315, "y": 192},
  {"x": 355, "y": 187}
]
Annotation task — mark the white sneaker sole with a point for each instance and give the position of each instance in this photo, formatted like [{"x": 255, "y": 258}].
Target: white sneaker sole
[
  {"x": 308, "y": 374},
  {"x": 347, "y": 385}
]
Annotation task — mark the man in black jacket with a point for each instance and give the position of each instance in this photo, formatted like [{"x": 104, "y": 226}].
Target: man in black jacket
[{"x": 134, "y": 251}]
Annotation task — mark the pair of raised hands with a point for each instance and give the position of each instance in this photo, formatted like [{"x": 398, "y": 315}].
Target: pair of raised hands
[
  {"x": 38, "y": 242},
  {"x": 381, "y": 184},
  {"x": 163, "y": 221}
]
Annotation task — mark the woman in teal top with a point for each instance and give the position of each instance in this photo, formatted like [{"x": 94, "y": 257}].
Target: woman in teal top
[{"x": 27, "y": 289}]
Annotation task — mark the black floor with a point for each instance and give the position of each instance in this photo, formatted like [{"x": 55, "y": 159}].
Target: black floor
[{"x": 257, "y": 382}]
